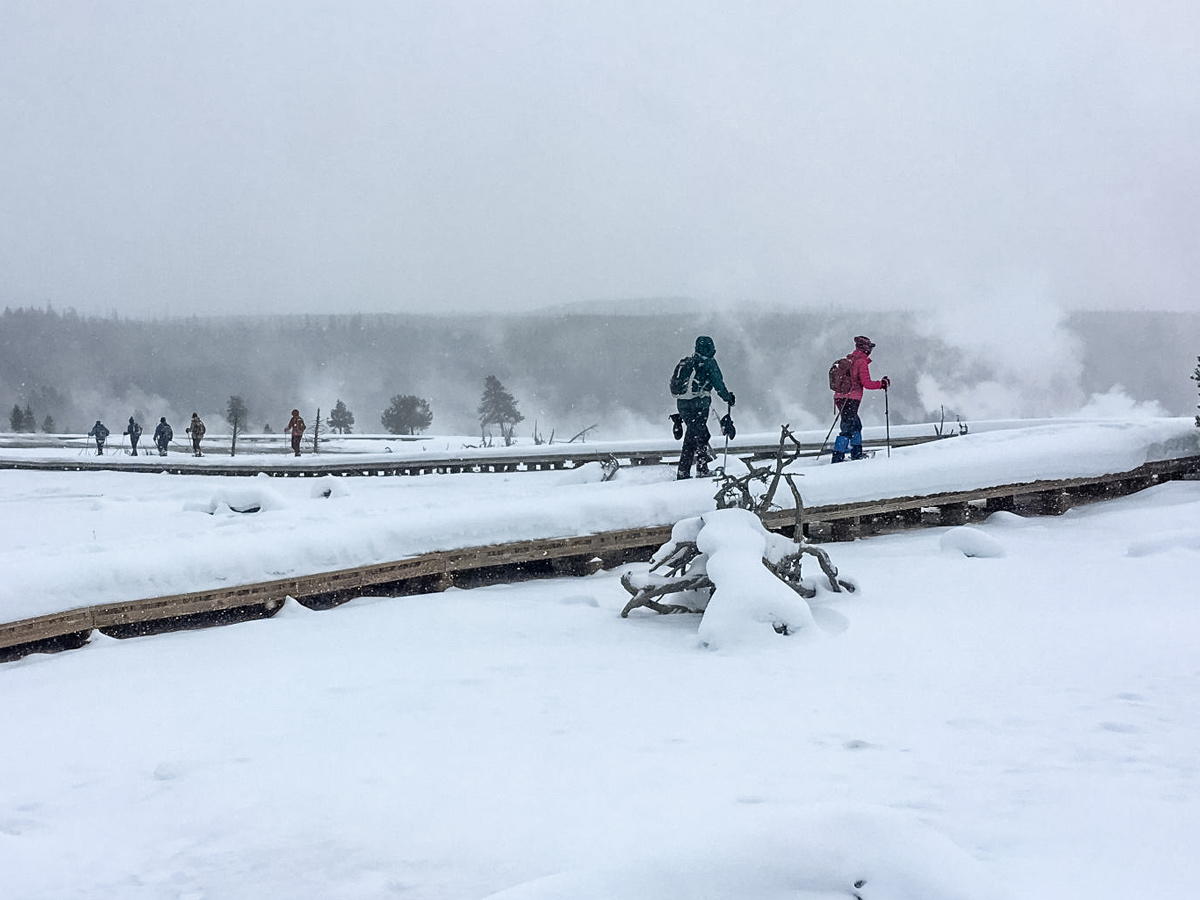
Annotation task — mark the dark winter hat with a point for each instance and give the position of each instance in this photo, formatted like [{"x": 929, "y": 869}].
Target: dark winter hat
[
  {"x": 705, "y": 346},
  {"x": 162, "y": 418},
  {"x": 863, "y": 343},
  {"x": 295, "y": 412}
]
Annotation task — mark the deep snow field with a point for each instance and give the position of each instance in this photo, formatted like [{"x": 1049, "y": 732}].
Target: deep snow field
[{"x": 1003, "y": 710}]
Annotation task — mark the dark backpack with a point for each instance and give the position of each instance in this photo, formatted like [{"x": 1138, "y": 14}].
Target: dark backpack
[
  {"x": 841, "y": 377},
  {"x": 682, "y": 378}
]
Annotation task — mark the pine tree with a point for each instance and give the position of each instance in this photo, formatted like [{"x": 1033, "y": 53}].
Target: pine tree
[
  {"x": 497, "y": 407},
  {"x": 30, "y": 421},
  {"x": 235, "y": 415},
  {"x": 16, "y": 419},
  {"x": 341, "y": 419},
  {"x": 407, "y": 414},
  {"x": 48, "y": 426}
]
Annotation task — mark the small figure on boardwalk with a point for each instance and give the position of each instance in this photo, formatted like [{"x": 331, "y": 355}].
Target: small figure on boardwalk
[
  {"x": 100, "y": 433},
  {"x": 134, "y": 430},
  {"x": 163, "y": 435},
  {"x": 692, "y": 384},
  {"x": 296, "y": 427},
  {"x": 196, "y": 430},
  {"x": 855, "y": 375}
]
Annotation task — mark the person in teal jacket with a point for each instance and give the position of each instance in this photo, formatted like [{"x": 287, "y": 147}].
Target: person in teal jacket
[{"x": 694, "y": 404}]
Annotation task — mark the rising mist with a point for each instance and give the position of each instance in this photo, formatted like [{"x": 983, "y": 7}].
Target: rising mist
[{"x": 571, "y": 370}]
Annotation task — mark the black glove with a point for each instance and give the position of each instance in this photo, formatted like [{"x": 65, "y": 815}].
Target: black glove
[
  {"x": 886, "y": 382},
  {"x": 677, "y": 425},
  {"x": 732, "y": 399},
  {"x": 727, "y": 427}
]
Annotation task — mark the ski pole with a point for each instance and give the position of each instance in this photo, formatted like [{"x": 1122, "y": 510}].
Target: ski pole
[
  {"x": 887, "y": 421},
  {"x": 729, "y": 414},
  {"x": 837, "y": 415}
]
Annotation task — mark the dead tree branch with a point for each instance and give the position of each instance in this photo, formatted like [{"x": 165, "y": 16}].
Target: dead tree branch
[{"x": 646, "y": 594}]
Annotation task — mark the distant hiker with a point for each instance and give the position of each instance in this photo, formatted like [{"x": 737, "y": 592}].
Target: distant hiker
[
  {"x": 296, "y": 426},
  {"x": 163, "y": 435},
  {"x": 692, "y": 384},
  {"x": 853, "y": 374},
  {"x": 134, "y": 430},
  {"x": 100, "y": 433},
  {"x": 196, "y": 430}
]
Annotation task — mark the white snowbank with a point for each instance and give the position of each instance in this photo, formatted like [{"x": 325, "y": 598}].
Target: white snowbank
[
  {"x": 830, "y": 853},
  {"x": 972, "y": 542},
  {"x": 1035, "y": 710},
  {"x": 81, "y": 538}
]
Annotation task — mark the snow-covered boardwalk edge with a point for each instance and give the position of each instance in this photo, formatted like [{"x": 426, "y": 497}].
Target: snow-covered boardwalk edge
[{"x": 947, "y": 475}]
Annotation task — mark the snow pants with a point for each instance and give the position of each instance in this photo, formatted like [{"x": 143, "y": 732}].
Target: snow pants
[
  {"x": 850, "y": 436},
  {"x": 695, "y": 439}
]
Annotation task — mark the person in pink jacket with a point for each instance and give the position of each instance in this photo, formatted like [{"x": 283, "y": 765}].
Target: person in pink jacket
[{"x": 847, "y": 402}]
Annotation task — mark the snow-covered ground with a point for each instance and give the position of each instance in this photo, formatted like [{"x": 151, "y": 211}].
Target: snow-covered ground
[
  {"x": 1001, "y": 710},
  {"x": 81, "y": 538}
]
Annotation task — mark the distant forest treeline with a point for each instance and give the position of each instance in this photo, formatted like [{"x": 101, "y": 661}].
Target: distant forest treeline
[{"x": 567, "y": 371}]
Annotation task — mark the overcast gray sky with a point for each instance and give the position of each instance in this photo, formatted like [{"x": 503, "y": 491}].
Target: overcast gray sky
[{"x": 178, "y": 157}]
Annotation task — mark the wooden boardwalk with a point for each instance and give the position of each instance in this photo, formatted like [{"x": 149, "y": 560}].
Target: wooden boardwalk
[
  {"x": 531, "y": 459},
  {"x": 437, "y": 571}
]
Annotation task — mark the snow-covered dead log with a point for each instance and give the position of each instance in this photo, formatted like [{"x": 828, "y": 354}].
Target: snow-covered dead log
[{"x": 726, "y": 565}]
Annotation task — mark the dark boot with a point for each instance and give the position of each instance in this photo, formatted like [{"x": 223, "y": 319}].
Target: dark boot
[{"x": 840, "y": 446}]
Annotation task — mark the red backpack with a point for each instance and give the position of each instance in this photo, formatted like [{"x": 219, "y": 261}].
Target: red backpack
[{"x": 841, "y": 377}]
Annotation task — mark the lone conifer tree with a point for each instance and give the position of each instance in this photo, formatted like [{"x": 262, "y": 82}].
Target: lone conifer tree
[
  {"x": 407, "y": 414},
  {"x": 341, "y": 419},
  {"x": 497, "y": 407}
]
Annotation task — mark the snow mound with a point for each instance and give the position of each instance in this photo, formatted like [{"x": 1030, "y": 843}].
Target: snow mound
[
  {"x": 873, "y": 854},
  {"x": 329, "y": 486},
  {"x": 748, "y": 604},
  {"x": 249, "y": 499},
  {"x": 971, "y": 542},
  {"x": 1009, "y": 520},
  {"x": 588, "y": 473},
  {"x": 1165, "y": 543}
]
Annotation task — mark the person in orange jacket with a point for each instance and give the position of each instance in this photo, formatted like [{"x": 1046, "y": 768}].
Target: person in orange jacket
[{"x": 296, "y": 426}]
